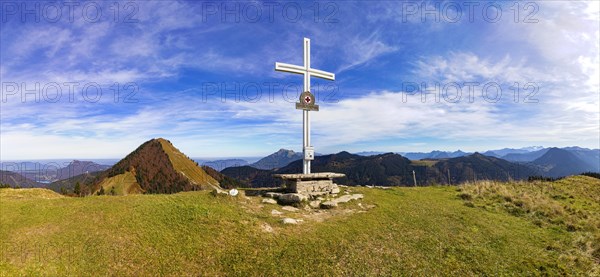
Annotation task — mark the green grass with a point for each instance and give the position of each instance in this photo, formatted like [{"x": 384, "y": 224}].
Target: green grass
[
  {"x": 188, "y": 167},
  {"x": 123, "y": 184},
  {"x": 410, "y": 231},
  {"x": 571, "y": 204}
]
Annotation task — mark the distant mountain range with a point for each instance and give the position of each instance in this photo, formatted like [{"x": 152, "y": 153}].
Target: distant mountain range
[
  {"x": 393, "y": 170},
  {"x": 222, "y": 164},
  {"x": 158, "y": 167},
  {"x": 590, "y": 157},
  {"x": 47, "y": 172},
  {"x": 76, "y": 168}
]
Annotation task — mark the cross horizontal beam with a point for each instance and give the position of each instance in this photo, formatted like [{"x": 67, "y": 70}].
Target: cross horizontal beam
[
  {"x": 291, "y": 68},
  {"x": 286, "y": 67}
]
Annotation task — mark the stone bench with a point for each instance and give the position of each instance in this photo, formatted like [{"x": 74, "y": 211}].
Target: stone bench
[{"x": 312, "y": 184}]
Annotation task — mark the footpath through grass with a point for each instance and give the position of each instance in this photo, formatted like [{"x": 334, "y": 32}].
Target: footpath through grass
[{"x": 424, "y": 231}]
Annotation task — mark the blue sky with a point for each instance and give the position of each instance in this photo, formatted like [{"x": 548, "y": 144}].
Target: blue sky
[{"x": 191, "y": 72}]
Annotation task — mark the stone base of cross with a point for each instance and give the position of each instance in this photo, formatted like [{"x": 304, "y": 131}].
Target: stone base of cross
[{"x": 307, "y": 99}]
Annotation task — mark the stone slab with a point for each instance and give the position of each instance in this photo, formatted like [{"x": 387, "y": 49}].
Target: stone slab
[{"x": 310, "y": 176}]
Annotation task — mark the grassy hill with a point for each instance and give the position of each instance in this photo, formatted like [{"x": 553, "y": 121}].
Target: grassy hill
[
  {"x": 156, "y": 166},
  {"x": 540, "y": 228},
  {"x": 391, "y": 169}
]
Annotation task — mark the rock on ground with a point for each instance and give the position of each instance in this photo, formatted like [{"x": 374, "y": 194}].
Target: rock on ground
[
  {"x": 342, "y": 199},
  {"x": 276, "y": 212},
  {"x": 288, "y": 220},
  {"x": 266, "y": 227},
  {"x": 291, "y": 198},
  {"x": 290, "y": 209},
  {"x": 269, "y": 201},
  {"x": 314, "y": 204},
  {"x": 328, "y": 204}
]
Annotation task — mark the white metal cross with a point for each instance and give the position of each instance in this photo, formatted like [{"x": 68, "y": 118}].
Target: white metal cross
[{"x": 308, "y": 72}]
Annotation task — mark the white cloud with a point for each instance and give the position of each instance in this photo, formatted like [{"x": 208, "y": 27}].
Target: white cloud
[{"x": 361, "y": 50}]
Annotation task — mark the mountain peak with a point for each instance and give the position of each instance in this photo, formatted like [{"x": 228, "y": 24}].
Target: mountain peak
[
  {"x": 156, "y": 166},
  {"x": 161, "y": 140},
  {"x": 278, "y": 159},
  {"x": 558, "y": 162}
]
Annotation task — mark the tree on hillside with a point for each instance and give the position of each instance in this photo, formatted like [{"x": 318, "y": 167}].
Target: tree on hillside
[
  {"x": 112, "y": 191},
  {"x": 101, "y": 191},
  {"x": 77, "y": 189}
]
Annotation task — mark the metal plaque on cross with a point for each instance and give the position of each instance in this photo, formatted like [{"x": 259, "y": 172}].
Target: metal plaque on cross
[{"x": 307, "y": 102}]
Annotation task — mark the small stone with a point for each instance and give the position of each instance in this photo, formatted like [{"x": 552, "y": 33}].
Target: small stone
[
  {"x": 269, "y": 201},
  {"x": 291, "y": 198},
  {"x": 343, "y": 199},
  {"x": 290, "y": 209},
  {"x": 266, "y": 227},
  {"x": 328, "y": 205},
  {"x": 314, "y": 204},
  {"x": 335, "y": 190},
  {"x": 288, "y": 220},
  {"x": 276, "y": 212}
]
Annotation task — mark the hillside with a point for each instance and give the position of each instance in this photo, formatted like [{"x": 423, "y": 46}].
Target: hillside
[
  {"x": 225, "y": 181},
  {"x": 69, "y": 183},
  {"x": 382, "y": 170},
  {"x": 590, "y": 156},
  {"x": 499, "y": 229},
  {"x": 278, "y": 159},
  {"x": 28, "y": 194},
  {"x": 559, "y": 162},
  {"x": 393, "y": 170},
  {"x": 15, "y": 179},
  {"x": 154, "y": 167},
  {"x": 252, "y": 177},
  {"x": 479, "y": 167},
  {"x": 525, "y": 157}
]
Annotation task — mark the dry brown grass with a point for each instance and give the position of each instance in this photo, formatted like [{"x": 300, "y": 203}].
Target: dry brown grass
[{"x": 569, "y": 205}]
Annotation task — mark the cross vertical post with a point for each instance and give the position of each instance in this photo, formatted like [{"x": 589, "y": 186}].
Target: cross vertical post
[
  {"x": 307, "y": 100},
  {"x": 305, "y": 113}
]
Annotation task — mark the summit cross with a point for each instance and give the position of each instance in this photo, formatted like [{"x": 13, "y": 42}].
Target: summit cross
[{"x": 306, "y": 97}]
